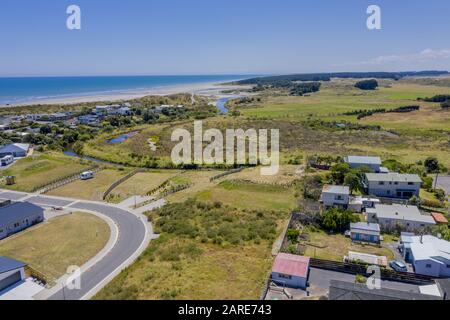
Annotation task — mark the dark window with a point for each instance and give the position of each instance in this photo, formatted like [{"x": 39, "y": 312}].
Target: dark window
[
  {"x": 284, "y": 276},
  {"x": 428, "y": 266}
]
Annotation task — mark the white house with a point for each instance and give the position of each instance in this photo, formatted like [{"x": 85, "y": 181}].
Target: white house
[
  {"x": 407, "y": 218},
  {"x": 356, "y": 162},
  {"x": 290, "y": 271},
  {"x": 17, "y": 216},
  {"x": 365, "y": 232},
  {"x": 430, "y": 256},
  {"x": 392, "y": 185},
  {"x": 11, "y": 272},
  {"x": 17, "y": 150},
  {"x": 335, "y": 196}
]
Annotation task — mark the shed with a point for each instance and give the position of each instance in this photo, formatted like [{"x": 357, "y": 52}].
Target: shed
[
  {"x": 439, "y": 218},
  {"x": 291, "y": 270}
]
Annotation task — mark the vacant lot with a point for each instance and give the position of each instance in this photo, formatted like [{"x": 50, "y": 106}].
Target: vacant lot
[
  {"x": 335, "y": 247},
  {"x": 53, "y": 246},
  {"x": 91, "y": 189},
  {"x": 142, "y": 183},
  {"x": 38, "y": 169},
  {"x": 250, "y": 195},
  {"x": 204, "y": 252}
]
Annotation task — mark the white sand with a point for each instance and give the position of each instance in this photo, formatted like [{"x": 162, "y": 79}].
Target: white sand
[{"x": 203, "y": 89}]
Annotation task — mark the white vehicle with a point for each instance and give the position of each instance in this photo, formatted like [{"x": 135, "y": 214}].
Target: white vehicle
[{"x": 87, "y": 175}]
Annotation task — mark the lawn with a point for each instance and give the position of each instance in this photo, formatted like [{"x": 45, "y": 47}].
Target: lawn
[
  {"x": 142, "y": 183},
  {"x": 335, "y": 247},
  {"x": 250, "y": 195},
  {"x": 35, "y": 170},
  {"x": 91, "y": 189},
  {"x": 53, "y": 246}
]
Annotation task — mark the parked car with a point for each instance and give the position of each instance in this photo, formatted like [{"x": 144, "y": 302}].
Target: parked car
[{"x": 398, "y": 266}]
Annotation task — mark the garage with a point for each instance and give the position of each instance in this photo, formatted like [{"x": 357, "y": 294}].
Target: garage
[{"x": 11, "y": 272}]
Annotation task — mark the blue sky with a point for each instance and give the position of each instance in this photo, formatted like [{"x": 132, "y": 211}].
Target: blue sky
[{"x": 121, "y": 37}]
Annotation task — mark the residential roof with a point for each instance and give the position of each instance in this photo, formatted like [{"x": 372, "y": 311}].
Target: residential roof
[
  {"x": 8, "y": 264},
  {"x": 18, "y": 211},
  {"x": 393, "y": 177},
  {"x": 400, "y": 212},
  {"x": 375, "y": 227},
  {"x": 340, "y": 290},
  {"x": 292, "y": 265},
  {"x": 430, "y": 248},
  {"x": 14, "y": 147},
  {"x": 368, "y": 258},
  {"x": 336, "y": 189},
  {"x": 363, "y": 160},
  {"x": 439, "y": 218}
]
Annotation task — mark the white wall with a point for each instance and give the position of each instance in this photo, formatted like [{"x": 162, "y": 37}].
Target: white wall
[
  {"x": 330, "y": 199},
  {"x": 294, "y": 282}
]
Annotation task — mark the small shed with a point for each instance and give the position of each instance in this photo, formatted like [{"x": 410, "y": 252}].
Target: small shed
[
  {"x": 291, "y": 271},
  {"x": 439, "y": 218}
]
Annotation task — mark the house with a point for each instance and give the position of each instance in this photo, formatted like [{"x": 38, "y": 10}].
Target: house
[
  {"x": 6, "y": 161},
  {"x": 340, "y": 290},
  {"x": 439, "y": 218},
  {"x": 355, "y": 162},
  {"x": 430, "y": 256},
  {"x": 17, "y": 216},
  {"x": 17, "y": 150},
  {"x": 11, "y": 272},
  {"x": 335, "y": 196},
  {"x": 59, "y": 116},
  {"x": 291, "y": 271},
  {"x": 396, "y": 216},
  {"x": 369, "y": 259},
  {"x": 89, "y": 119},
  {"x": 392, "y": 185},
  {"x": 406, "y": 238},
  {"x": 365, "y": 232}
]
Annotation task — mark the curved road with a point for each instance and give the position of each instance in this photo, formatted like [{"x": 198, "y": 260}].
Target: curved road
[{"x": 132, "y": 240}]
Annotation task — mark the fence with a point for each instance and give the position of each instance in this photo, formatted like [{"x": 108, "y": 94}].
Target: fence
[
  {"x": 227, "y": 173},
  {"x": 39, "y": 276},
  {"x": 354, "y": 268},
  {"x": 120, "y": 181},
  {"x": 63, "y": 181}
]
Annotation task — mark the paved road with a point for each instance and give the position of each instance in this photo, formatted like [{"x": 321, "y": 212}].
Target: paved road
[
  {"x": 133, "y": 234},
  {"x": 444, "y": 183}
]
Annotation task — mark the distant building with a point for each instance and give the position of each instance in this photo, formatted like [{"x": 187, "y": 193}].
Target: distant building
[
  {"x": 11, "y": 272},
  {"x": 365, "y": 232},
  {"x": 355, "y": 162},
  {"x": 17, "y": 150},
  {"x": 406, "y": 218},
  {"x": 88, "y": 119},
  {"x": 291, "y": 271},
  {"x": 6, "y": 161},
  {"x": 392, "y": 185},
  {"x": 430, "y": 256},
  {"x": 335, "y": 196},
  {"x": 17, "y": 216}
]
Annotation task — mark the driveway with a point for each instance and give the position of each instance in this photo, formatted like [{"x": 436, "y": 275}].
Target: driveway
[
  {"x": 134, "y": 235},
  {"x": 444, "y": 183}
]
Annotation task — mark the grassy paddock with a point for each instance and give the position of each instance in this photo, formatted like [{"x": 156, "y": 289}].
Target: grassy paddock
[{"x": 55, "y": 245}]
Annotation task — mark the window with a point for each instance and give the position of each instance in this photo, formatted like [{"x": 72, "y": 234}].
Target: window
[
  {"x": 284, "y": 276},
  {"x": 396, "y": 183},
  {"x": 410, "y": 183},
  {"x": 428, "y": 266},
  {"x": 381, "y": 183},
  {"x": 448, "y": 266},
  {"x": 339, "y": 198}
]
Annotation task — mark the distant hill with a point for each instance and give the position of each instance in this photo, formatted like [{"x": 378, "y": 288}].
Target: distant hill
[{"x": 344, "y": 75}]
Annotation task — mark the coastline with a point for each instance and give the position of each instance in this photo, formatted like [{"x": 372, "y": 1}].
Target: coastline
[{"x": 211, "y": 89}]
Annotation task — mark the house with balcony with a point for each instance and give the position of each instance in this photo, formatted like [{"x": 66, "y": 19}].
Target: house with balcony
[{"x": 392, "y": 185}]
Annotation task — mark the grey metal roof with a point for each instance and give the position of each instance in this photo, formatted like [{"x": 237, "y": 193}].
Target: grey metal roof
[
  {"x": 336, "y": 189},
  {"x": 340, "y": 290},
  {"x": 8, "y": 264},
  {"x": 365, "y": 226},
  {"x": 393, "y": 177},
  {"x": 15, "y": 147},
  {"x": 400, "y": 212},
  {"x": 363, "y": 160},
  {"x": 18, "y": 211}
]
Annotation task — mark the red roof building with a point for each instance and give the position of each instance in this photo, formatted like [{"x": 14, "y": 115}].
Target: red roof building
[
  {"x": 291, "y": 270},
  {"x": 439, "y": 218}
]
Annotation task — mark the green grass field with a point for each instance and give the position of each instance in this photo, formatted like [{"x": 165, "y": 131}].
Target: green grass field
[
  {"x": 37, "y": 169},
  {"x": 53, "y": 246}
]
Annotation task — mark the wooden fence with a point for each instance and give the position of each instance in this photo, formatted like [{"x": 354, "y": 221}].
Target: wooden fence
[{"x": 120, "y": 181}]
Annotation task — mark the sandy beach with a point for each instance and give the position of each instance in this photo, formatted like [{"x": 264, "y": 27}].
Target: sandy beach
[{"x": 213, "y": 90}]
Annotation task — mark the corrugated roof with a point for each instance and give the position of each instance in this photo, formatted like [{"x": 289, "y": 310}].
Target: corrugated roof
[
  {"x": 14, "y": 147},
  {"x": 393, "y": 177},
  {"x": 18, "y": 211},
  {"x": 365, "y": 226},
  {"x": 439, "y": 218},
  {"x": 363, "y": 160},
  {"x": 293, "y": 265},
  {"x": 8, "y": 264},
  {"x": 400, "y": 212},
  {"x": 336, "y": 189}
]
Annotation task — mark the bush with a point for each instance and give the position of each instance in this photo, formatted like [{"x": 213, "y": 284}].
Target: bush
[{"x": 367, "y": 84}]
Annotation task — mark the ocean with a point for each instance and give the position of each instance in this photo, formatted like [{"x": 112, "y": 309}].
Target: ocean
[{"x": 34, "y": 89}]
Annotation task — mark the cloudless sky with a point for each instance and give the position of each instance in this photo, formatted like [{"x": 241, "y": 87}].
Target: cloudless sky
[{"x": 131, "y": 37}]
